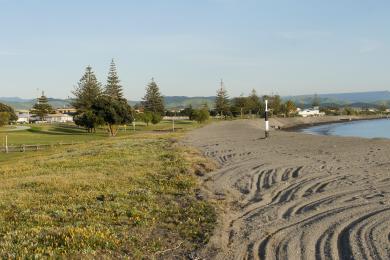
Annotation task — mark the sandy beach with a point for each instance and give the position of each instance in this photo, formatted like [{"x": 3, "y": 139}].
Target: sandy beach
[{"x": 294, "y": 195}]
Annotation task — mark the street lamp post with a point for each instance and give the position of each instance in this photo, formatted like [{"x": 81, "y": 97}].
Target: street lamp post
[{"x": 266, "y": 119}]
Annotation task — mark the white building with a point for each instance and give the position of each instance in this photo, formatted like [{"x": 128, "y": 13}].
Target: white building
[
  {"x": 59, "y": 118},
  {"x": 315, "y": 111},
  {"x": 24, "y": 116}
]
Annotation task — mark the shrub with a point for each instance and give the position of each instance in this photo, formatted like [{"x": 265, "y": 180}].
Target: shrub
[
  {"x": 146, "y": 117},
  {"x": 4, "y": 118},
  {"x": 201, "y": 115},
  {"x": 156, "y": 118}
]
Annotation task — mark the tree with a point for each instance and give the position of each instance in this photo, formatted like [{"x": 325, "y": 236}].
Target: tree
[
  {"x": 146, "y": 117},
  {"x": 188, "y": 111},
  {"x": 276, "y": 104},
  {"x": 382, "y": 107},
  {"x": 290, "y": 107},
  {"x": 42, "y": 108},
  {"x": 153, "y": 101},
  {"x": 9, "y": 110},
  {"x": 89, "y": 120},
  {"x": 349, "y": 111},
  {"x": 201, "y": 115},
  {"x": 87, "y": 91},
  {"x": 254, "y": 103},
  {"x": 240, "y": 103},
  {"x": 222, "y": 101},
  {"x": 113, "y": 88},
  {"x": 156, "y": 118},
  {"x": 316, "y": 101},
  {"x": 112, "y": 112},
  {"x": 4, "y": 118}
]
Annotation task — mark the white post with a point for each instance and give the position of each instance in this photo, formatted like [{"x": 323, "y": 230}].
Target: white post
[
  {"x": 266, "y": 119},
  {"x": 173, "y": 124},
  {"x": 134, "y": 125},
  {"x": 6, "y": 143}
]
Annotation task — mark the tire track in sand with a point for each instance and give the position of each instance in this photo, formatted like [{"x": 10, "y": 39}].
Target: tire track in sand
[{"x": 295, "y": 196}]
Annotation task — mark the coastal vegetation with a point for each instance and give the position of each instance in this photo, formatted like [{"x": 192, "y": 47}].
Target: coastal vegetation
[{"x": 108, "y": 198}]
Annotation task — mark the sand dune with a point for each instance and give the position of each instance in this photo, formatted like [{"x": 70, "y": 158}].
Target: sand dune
[{"x": 296, "y": 196}]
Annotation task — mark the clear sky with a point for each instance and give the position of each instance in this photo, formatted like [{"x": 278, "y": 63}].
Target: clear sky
[{"x": 287, "y": 47}]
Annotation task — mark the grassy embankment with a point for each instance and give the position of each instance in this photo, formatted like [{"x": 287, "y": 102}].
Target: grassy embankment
[{"x": 129, "y": 196}]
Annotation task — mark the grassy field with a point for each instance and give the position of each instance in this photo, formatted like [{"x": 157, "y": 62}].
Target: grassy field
[
  {"x": 132, "y": 196},
  {"x": 62, "y": 133}
]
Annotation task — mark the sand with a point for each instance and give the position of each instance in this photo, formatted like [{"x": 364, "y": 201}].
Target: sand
[{"x": 295, "y": 195}]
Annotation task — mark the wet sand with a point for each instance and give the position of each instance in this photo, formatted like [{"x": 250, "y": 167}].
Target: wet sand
[{"x": 294, "y": 195}]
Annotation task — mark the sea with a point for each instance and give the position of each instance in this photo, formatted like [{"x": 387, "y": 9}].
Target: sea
[{"x": 378, "y": 128}]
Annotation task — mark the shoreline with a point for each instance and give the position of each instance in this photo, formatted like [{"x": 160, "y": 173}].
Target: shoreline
[{"x": 284, "y": 125}]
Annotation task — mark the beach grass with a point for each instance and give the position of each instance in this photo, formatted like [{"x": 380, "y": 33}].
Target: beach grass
[{"x": 132, "y": 196}]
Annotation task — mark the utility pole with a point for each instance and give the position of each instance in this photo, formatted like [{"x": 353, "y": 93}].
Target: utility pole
[{"x": 266, "y": 119}]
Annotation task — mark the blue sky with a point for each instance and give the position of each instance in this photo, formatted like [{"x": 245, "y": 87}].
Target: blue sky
[{"x": 287, "y": 47}]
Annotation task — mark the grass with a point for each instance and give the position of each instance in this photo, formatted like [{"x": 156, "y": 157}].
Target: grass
[
  {"x": 56, "y": 133},
  {"x": 127, "y": 197}
]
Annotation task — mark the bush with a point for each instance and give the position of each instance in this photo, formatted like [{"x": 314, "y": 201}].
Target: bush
[
  {"x": 201, "y": 115},
  {"x": 156, "y": 118},
  {"x": 4, "y": 118},
  {"x": 88, "y": 120},
  {"x": 10, "y": 111},
  {"x": 146, "y": 117}
]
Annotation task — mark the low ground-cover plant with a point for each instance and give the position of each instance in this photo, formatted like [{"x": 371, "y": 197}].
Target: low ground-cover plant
[{"x": 109, "y": 198}]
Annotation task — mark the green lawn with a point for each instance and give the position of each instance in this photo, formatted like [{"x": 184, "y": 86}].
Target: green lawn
[
  {"x": 61, "y": 133},
  {"x": 131, "y": 196}
]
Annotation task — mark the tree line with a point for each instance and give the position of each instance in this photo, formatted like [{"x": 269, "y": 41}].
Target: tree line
[
  {"x": 253, "y": 104},
  {"x": 99, "y": 105}
]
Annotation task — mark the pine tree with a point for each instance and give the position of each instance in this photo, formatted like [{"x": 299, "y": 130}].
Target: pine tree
[
  {"x": 276, "y": 104},
  {"x": 153, "y": 101},
  {"x": 254, "y": 103},
  {"x": 222, "y": 101},
  {"x": 316, "y": 101},
  {"x": 87, "y": 91},
  {"x": 239, "y": 105},
  {"x": 113, "y": 88},
  {"x": 42, "y": 108}
]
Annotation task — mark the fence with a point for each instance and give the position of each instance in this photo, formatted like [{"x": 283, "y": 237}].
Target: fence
[{"x": 30, "y": 147}]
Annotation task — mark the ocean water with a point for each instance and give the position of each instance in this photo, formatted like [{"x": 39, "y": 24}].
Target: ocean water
[{"x": 379, "y": 128}]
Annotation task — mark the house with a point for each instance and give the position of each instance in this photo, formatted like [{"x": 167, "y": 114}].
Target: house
[
  {"x": 59, "y": 118},
  {"x": 315, "y": 111},
  {"x": 66, "y": 110},
  {"x": 24, "y": 116}
]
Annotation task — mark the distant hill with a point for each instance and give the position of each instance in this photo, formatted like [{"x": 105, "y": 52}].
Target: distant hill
[
  {"x": 170, "y": 102},
  {"x": 25, "y": 104},
  {"x": 358, "y": 99},
  {"x": 182, "y": 101}
]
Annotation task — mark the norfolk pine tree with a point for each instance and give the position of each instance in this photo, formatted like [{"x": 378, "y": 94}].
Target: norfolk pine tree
[
  {"x": 113, "y": 88},
  {"x": 87, "y": 90},
  {"x": 42, "y": 108},
  {"x": 153, "y": 101},
  {"x": 222, "y": 101},
  {"x": 86, "y": 93}
]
